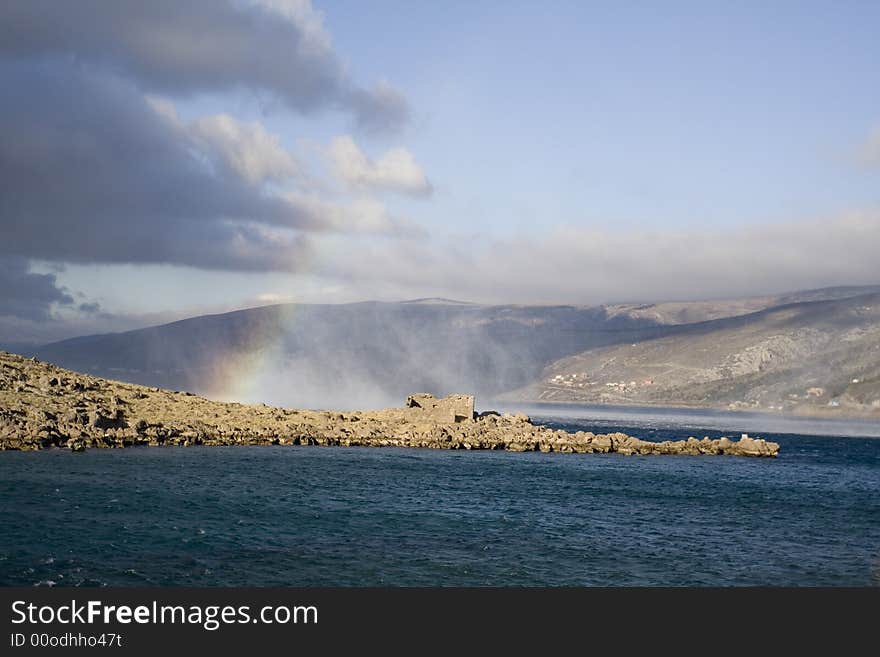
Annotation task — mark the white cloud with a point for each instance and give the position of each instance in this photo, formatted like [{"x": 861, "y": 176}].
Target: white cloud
[
  {"x": 596, "y": 265},
  {"x": 250, "y": 152},
  {"x": 362, "y": 215},
  {"x": 165, "y": 108},
  {"x": 274, "y": 297},
  {"x": 396, "y": 170},
  {"x": 139, "y": 185},
  {"x": 246, "y": 148}
]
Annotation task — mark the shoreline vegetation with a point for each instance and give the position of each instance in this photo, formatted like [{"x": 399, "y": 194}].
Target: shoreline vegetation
[{"x": 43, "y": 406}]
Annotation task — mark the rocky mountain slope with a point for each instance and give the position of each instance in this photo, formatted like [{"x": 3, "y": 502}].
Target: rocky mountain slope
[
  {"x": 690, "y": 312},
  {"x": 804, "y": 357},
  {"x": 813, "y": 351},
  {"x": 338, "y": 356}
]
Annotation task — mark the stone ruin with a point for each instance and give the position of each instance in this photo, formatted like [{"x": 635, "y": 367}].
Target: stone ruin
[{"x": 449, "y": 410}]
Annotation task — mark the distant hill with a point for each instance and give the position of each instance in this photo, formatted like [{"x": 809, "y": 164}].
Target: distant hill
[
  {"x": 757, "y": 353},
  {"x": 807, "y": 356},
  {"x": 349, "y": 355},
  {"x": 688, "y": 312}
]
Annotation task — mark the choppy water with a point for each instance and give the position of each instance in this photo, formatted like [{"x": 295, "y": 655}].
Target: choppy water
[{"x": 367, "y": 516}]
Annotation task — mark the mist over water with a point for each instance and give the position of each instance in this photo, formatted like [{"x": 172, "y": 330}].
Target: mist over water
[
  {"x": 807, "y": 353},
  {"x": 606, "y": 418},
  {"x": 373, "y": 355}
]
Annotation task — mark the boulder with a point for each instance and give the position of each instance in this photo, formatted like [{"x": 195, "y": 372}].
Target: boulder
[{"x": 77, "y": 444}]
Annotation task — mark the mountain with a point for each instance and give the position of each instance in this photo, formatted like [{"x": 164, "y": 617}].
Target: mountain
[
  {"x": 763, "y": 352},
  {"x": 688, "y": 312},
  {"x": 350, "y": 355},
  {"x": 802, "y": 357}
]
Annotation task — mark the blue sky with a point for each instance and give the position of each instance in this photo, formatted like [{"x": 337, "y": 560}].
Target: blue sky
[
  {"x": 644, "y": 113},
  {"x": 552, "y": 152}
]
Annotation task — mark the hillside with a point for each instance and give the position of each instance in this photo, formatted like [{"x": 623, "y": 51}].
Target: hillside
[
  {"x": 690, "y": 312},
  {"x": 798, "y": 352},
  {"x": 804, "y": 357},
  {"x": 350, "y": 355}
]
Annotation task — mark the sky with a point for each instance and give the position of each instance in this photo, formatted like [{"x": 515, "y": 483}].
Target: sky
[{"x": 162, "y": 160}]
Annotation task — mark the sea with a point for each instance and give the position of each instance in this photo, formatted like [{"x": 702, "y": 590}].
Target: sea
[{"x": 328, "y": 516}]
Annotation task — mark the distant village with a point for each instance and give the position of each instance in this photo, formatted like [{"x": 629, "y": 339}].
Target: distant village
[
  {"x": 576, "y": 381},
  {"x": 582, "y": 380}
]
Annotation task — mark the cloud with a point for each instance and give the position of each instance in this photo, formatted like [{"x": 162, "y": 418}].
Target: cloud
[
  {"x": 97, "y": 167},
  {"x": 246, "y": 148},
  {"x": 380, "y": 109},
  {"x": 27, "y": 295},
  {"x": 597, "y": 265},
  {"x": 396, "y": 170},
  {"x": 275, "y": 47},
  {"x": 304, "y": 16},
  {"x": 65, "y": 321},
  {"x": 361, "y": 215},
  {"x": 273, "y": 298},
  {"x": 89, "y": 308},
  {"x": 92, "y": 171}
]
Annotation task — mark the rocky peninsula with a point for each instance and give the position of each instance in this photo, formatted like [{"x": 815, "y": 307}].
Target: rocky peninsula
[{"x": 43, "y": 406}]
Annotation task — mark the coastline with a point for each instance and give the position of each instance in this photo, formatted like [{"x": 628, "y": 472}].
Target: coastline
[
  {"x": 708, "y": 418},
  {"x": 802, "y": 412},
  {"x": 43, "y": 406}
]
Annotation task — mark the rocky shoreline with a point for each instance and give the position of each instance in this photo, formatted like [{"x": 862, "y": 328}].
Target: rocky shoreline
[{"x": 43, "y": 406}]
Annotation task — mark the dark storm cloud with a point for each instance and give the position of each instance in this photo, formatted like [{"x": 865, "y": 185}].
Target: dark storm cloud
[
  {"x": 90, "y": 172},
  {"x": 182, "y": 48},
  {"x": 27, "y": 295}
]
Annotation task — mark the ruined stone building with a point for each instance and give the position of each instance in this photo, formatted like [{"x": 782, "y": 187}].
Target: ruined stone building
[{"x": 450, "y": 409}]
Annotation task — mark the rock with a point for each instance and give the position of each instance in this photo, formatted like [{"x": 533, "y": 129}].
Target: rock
[
  {"x": 746, "y": 446},
  {"x": 42, "y": 415},
  {"x": 48, "y": 382},
  {"x": 76, "y": 444},
  {"x": 602, "y": 443},
  {"x": 83, "y": 411}
]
